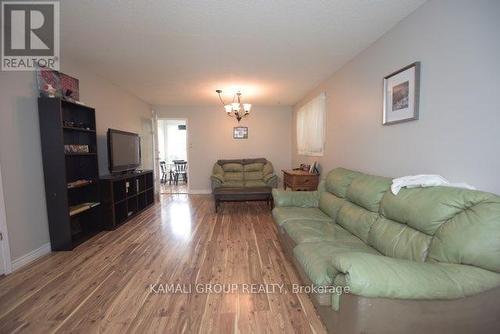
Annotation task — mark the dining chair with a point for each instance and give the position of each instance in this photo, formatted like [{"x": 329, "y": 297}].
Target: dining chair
[
  {"x": 163, "y": 169},
  {"x": 180, "y": 168}
]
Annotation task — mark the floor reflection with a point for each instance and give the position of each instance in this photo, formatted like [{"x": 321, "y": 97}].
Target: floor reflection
[{"x": 177, "y": 215}]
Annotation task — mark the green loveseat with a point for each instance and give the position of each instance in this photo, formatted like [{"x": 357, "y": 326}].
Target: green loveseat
[
  {"x": 243, "y": 173},
  {"x": 424, "y": 261}
]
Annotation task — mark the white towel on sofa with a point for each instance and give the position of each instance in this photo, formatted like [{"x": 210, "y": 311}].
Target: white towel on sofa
[{"x": 414, "y": 181}]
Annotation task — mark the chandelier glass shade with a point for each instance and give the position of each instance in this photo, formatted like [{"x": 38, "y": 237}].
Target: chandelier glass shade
[{"x": 235, "y": 109}]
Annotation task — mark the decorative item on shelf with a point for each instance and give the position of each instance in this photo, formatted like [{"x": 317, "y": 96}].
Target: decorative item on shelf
[
  {"x": 48, "y": 81},
  {"x": 240, "y": 132},
  {"x": 56, "y": 84},
  {"x": 304, "y": 167},
  {"x": 401, "y": 95},
  {"x": 50, "y": 91},
  {"x": 234, "y": 109},
  {"x": 79, "y": 208},
  {"x": 314, "y": 168},
  {"x": 79, "y": 125},
  {"x": 76, "y": 149},
  {"x": 79, "y": 183}
]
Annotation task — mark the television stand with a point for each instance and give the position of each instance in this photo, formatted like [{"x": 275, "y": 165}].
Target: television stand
[{"x": 124, "y": 196}]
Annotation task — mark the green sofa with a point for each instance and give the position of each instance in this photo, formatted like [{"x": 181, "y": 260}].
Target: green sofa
[
  {"x": 425, "y": 260},
  {"x": 243, "y": 173}
]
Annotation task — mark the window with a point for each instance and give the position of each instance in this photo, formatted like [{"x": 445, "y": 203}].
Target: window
[{"x": 311, "y": 127}]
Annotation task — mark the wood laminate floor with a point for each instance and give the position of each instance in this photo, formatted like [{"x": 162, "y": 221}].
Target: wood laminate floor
[
  {"x": 166, "y": 188},
  {"x": 104, "y": 285}
]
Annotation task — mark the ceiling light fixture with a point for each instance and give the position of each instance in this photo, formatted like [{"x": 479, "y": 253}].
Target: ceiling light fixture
[{"x": 234, "y": 109}]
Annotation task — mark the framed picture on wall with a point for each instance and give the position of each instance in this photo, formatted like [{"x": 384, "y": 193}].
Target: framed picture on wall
[
  {"x": 401, "y": 95},
  {"x": 240, "y": 132}
]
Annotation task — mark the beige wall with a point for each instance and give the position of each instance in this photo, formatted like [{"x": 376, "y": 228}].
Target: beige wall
[
  {"x": 20, "y": 150},
  {"x": 457, "y": 135},
  {"x": 210, "y": 137}
]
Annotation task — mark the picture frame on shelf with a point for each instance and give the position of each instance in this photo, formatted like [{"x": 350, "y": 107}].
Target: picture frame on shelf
[{"x": 312, "y": 168}]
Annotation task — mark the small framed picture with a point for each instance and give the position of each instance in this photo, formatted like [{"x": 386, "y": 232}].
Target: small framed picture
[
  {"x": 401, "y": 95},
  {"x": 240, "y": 132}
]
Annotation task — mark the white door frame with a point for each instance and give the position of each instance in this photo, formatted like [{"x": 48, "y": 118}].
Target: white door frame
[
  {"x": 156, "y": 155},
  {"x": 157, "y": 151},
  {"x": 4, "y": 243}
]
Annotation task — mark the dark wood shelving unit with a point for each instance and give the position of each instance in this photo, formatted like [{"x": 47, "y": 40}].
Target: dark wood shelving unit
[
  {"x": 125, "y": 195},
  {"x": 67, "y": 228}
]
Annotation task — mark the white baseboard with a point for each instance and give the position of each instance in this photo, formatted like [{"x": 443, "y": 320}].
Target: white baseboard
[
  {"x": 200, "y": 191},
  {"x": 31, "y": 256}
]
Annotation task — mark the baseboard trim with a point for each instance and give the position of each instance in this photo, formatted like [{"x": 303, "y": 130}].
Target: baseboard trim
[
  {"x": 200, "y": 191},
  {"x": 31, "y": 256}
]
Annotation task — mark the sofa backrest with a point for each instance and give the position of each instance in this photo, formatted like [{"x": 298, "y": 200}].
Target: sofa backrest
[
  {"x": 333, "y": 189},
  {"x": 435, "y": 224},
  {"x": 363, "y": 197},
  {"x": 241, "y": 161},
  {"x": 352, "y": 199}
]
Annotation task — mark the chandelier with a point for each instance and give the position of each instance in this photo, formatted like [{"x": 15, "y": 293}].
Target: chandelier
[{"x": 235, "y": 108}]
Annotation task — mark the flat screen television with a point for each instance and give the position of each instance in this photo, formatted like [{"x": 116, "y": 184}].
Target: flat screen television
[{"x": 124, "y": 151}]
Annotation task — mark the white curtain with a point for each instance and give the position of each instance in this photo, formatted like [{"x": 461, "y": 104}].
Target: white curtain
[{"x": 311, "y": 127}]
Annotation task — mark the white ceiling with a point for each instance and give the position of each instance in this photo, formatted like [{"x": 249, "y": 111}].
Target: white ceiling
[{"x": 179, "y": 52}]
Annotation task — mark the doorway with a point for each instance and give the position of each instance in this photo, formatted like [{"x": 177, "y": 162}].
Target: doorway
[{"x": 172, "y": 150}]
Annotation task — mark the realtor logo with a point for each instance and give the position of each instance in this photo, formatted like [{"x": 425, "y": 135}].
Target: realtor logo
[{"x": 30, "y": 35}]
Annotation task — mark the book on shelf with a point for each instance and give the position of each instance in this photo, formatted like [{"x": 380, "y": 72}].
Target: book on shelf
[
  {"x": 79, "y": 183},
  {"x": 76, "y": 209}
]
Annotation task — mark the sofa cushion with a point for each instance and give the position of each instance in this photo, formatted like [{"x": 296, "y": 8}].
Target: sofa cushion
[
  {"x": 254, "y": 160},
  {"x": 233, "y": 176},
  {"x": 356, "y": 220},
  {"x": 338, "y": 180},
  {"x": 301, "y": 231},
  {"x": 367, "y": 191},
  {"x": 472, "y": 236},
  {"x": 315, "y": 258},
  {"x": 254, "y": 183},
  {"x": 424, "y": 209},
  {"x": 253, "y": 175},
  {"x": 399, "y": 240},
  {"x": 253, "y": 167},
  {"x": 330, "y": 204},
  {"x": 464, "y": 224},
  {"x": 232, "y": 167},
  {"x": 285, "y": 214},
  {"x": 233, "y": 184}
]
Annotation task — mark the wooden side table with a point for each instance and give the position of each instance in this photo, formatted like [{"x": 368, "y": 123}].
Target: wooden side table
[{"x": 300, "y": 180}]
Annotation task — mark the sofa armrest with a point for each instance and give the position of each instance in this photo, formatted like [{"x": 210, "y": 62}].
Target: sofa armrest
[
  {"x": 271, "y": 180},
  {"x": 304, "y": 199},
  {"x": 217, "y": 180},
  {"x": 371, "y": 275},
  {"x": 218, "y": 177}
]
